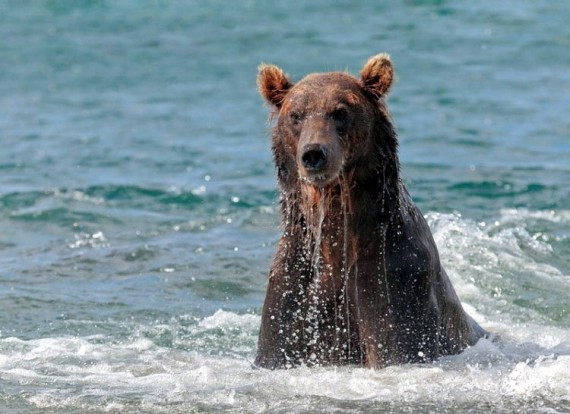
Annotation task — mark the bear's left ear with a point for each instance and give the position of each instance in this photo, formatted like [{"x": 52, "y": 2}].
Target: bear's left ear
[
  {"x": 273, "y": 84},
  {"x": 378, "y": 74}
]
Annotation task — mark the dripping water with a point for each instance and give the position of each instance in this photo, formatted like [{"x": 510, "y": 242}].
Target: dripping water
[
  {"x": 336, "y": 226},
  {"x": 316, "y": 203},
  {"x": 345, "y": 202},
  {"x": 316, "y": 259},
  {"x": 383, "y": 230}
]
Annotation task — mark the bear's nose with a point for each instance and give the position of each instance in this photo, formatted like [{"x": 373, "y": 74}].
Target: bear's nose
[{"x": 314, "y": 157}]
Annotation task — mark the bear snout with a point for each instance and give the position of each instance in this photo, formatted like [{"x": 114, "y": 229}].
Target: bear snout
[
  {"x": 319, "y": 153},
  {"x": 319, "y": 163},
  {"x": 314, "y": 157}
]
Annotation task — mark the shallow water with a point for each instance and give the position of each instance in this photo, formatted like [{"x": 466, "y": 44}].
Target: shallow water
[{"x": 138, "y": 208}]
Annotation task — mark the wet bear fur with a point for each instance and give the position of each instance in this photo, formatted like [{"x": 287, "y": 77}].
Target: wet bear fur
[{"x": 356, "y": 278}]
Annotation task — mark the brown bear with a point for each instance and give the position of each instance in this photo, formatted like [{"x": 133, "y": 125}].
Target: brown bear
[{"x": 356, "y": 277}]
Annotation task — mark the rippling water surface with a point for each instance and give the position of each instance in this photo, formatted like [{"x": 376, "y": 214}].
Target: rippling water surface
[{"x": 138, "y": 205}]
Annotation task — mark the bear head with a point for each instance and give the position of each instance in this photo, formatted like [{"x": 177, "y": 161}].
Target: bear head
[{"x": 331, "y": 124}]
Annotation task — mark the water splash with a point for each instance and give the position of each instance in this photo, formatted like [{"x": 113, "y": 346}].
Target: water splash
[
  {"x": 145, "y": 376},
  {"x": 332, "y": 251}
]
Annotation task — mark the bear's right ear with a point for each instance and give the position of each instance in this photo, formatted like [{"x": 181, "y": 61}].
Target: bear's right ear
[
  {"x": 273, "y": 84},
  {"x": 377, "y": 75}
]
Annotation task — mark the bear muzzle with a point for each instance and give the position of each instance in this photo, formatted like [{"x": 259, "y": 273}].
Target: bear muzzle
[
  {"x": 314, "y": 157},
  {"x": 319, "y": 153},
  {"x": 319, "y": 164}
]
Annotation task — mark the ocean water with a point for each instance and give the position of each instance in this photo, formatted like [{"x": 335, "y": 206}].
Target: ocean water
[{"x": 138, "y": 207}]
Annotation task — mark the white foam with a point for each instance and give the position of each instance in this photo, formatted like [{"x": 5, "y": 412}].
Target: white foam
[
  {"x": 488, "y": 263},
  {"x": 77, "y": 195},
  {"x": 209, "y": 368},
  {"x": 94, "y": 240},
  {"x": 223, "y": 319},
  {"x": 155, "y": 377},
  {"x": 523, "y": 214}
]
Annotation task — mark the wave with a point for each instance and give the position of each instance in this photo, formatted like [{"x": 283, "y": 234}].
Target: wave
[
  {"x": 507, "y": 268},
  {"x": 504, "y": 269},
  {"x": 100, "y": 195},
  {"x": 497, "y": 189},
  {"x": 99, "y": 373},
  {"x": 120, "y": 204}
]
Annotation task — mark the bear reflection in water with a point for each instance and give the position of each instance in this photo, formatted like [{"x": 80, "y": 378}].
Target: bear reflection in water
[{"x": 356, "y": 278}]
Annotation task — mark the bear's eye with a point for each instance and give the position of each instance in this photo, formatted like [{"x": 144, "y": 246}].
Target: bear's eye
[
  {"x": 296, "y": 118},
  {"x": 340, "y": 115}
]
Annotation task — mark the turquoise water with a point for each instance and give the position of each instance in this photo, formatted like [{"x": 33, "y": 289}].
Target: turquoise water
[{"x": 138, "y": 206}]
